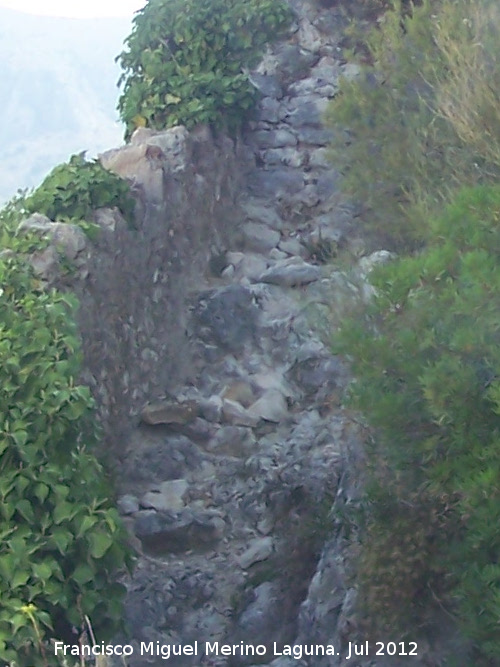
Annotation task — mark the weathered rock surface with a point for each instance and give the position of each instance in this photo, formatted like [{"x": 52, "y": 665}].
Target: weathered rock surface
[
  {"x": 218, "y": 299},
  {"x": 259, "y": 549},
  {"x": 164, "y": 531},
  {"x": 271, "y": 406},
  {"x": 234, "y": 413},
  {"x": 168, "y": 497},
  {"x": 68, "y": 243},
  {"x": 226, "y": 317},
  {"x": 170, "y": 412},
  {"x": 260, "y": 211},
  {"x": 290, "y": 273},
  {"x": 259, "y": 237}
]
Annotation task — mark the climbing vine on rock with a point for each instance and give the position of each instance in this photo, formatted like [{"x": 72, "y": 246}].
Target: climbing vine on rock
[
  {"x": 62, "y": 543},
  {"x": 185, "y": 61},
  {"x": 73, "y": 190}
]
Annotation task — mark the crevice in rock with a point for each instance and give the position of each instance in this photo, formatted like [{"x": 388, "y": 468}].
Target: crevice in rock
[{"x": 206, "y": 337}]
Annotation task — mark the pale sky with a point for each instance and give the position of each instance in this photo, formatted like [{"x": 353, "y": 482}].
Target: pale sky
[{"x": 75, "y": 8}]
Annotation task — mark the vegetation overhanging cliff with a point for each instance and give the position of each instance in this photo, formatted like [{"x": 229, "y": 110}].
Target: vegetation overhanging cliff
[{"x": 425, "y": 107}]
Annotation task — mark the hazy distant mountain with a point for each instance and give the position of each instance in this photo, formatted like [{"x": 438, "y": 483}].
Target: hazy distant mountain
[{"x": 58, "y": 92}]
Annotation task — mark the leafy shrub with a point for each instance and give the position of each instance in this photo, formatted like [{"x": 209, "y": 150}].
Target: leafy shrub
[
  {"x": 426, "y": 356},
  {"x": 73, "y": 190},
  {"x": 11, "y": 215},
  {"x": 185, "y": 60},
  {"x": 423, "y": 116},
  {"x": 62, "y": 543}
]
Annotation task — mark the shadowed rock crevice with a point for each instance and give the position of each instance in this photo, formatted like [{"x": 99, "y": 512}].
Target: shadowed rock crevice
[{"x": 207, "y": 345}]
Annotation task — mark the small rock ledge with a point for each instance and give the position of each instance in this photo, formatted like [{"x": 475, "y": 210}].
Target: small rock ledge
[{"x": 222, "y": 401}]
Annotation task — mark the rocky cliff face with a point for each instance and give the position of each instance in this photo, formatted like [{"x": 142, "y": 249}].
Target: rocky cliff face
[{"x": 206, "y": 334}]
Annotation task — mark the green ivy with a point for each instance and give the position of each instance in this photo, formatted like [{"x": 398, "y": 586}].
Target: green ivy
[
  {"x": 426, "y": 357},
  {"x": 62, "y": 542},
  {"x": 185, "y": 61},
  {"x": 73, "y": 190},
  {"x": 11, "y": 215}
]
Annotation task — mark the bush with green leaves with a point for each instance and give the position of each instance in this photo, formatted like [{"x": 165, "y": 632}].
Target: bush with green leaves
[
  {"x": 73, "y": 190},
  {"x": 185, "y": 61},
  {"x": 423, "y": 116},
  {"x": 426, "y": 357},
  {"x": 62, "y": 543}
]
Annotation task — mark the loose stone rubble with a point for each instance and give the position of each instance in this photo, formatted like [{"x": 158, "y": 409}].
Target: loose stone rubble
[{"x": 207, "y": 339}]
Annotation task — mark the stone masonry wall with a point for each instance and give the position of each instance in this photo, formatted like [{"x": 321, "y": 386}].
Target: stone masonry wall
[
  {"x": 133, "y": 283},
  {"x": 212, "y": 313}
]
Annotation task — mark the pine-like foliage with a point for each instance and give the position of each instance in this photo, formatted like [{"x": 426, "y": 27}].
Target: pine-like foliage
[
  {"x": 422, "y": 118},
  {"x": 426, "y": 356}
]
